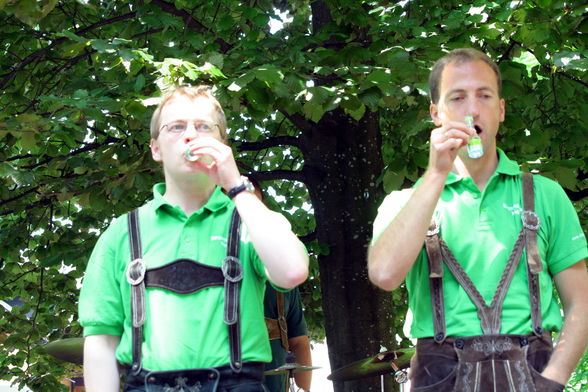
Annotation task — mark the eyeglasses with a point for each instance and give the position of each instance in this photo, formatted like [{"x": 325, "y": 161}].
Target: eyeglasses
[{"x": 178, "y": 127}]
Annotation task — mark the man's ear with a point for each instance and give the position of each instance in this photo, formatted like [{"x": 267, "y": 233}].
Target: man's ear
[
  {"x": 155, "y": 151},
  {"x": 502, "y": 110},
  {"x": 434, "y": 111}
]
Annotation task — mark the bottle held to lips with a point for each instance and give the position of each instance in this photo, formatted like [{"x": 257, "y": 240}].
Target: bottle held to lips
[
  {"x": 190, "y": 156},
  {"x": 474, "y": 147}
]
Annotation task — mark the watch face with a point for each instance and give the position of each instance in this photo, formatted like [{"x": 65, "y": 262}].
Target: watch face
[{"x": 248, "y": 185}]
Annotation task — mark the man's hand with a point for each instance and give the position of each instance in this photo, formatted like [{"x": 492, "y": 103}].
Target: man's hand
[
  {"x": 445, "y": 143},
  {"x": 217, "y": 161}
]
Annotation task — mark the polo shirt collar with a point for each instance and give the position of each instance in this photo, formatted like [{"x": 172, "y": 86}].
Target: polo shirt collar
[
  {"x": 505, "y": 166},
  {"x": 217, "y": 201}
]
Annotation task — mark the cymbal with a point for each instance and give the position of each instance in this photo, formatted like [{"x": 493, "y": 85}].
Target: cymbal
[
  {"x": 69, "y": 350},
  {"x": 374, "y": 366},
  {"x": 289, "y": 367}
]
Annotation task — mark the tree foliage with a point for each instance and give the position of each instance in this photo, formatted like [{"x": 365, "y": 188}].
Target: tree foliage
[{"x": 327, "y": 106}]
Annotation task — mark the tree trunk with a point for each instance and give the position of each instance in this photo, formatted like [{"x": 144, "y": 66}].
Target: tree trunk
[{"x": 343, "y": 162}]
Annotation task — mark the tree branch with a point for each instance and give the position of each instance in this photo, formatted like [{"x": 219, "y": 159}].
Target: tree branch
[
  {"x": 298, "y": 120},
  {"x": 308, "y": 237},
  {"x": 572, "y": 77},
  {"x": 87, "y": 147},
  {"x": 20, "y": 195},
  {"x": 294, "y": 175},
  {"x": 576, "y": 195},
  {"x": 268, "y": 143},
  {"x": 6, "y": 77},
  {"x": 190, "y": 22}
]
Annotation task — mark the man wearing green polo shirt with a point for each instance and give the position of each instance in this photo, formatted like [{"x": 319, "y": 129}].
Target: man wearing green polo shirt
[
  {"x": 480, "y": 254},
  {"x": 174, "y": 293}
]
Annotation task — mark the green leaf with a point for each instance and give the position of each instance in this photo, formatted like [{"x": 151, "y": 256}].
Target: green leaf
[
  {"x": 74, "y": 37},
  {"x": 313, "y": 111},
  {"x": 358, "y": 113},
  {"x": 139, "y": 83},
  {"x": 268, "y": 73},
  {"x": 102, "y": 45}
]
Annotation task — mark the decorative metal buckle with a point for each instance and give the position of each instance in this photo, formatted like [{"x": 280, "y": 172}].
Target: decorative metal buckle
[
  {"x": 530, "y": 220},
  {"x": 237, "y": 271},
  {"x": 433, "y": 229},
  {"x": 136, "y": 272}
]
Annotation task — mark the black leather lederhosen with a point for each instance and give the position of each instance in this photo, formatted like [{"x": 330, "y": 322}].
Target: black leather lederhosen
[
  {"x": 185, "y": 276},
  {"x": 492, "y": 361}
]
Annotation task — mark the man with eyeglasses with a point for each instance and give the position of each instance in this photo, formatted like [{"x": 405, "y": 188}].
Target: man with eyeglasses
[{"x": 173, "y": 292}]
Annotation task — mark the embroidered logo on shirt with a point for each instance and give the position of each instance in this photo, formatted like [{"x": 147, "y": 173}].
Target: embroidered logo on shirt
[
  {"x": 223, "y": 240},
  {"x": 515, "y": 209},
  {"x": 577, "y": 237}
]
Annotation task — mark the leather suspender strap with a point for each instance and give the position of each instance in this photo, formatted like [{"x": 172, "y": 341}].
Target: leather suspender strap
[
  {"x": 233, "y": 273},
  {"x": 136, "y": 277},
  {"x": 166, "y": 277},
  {"x": 436, "y": 282},
  {"x": 531, "y": 224},
  {"x": 490, "y": 317},
  {"x": 281, "y": 302}
]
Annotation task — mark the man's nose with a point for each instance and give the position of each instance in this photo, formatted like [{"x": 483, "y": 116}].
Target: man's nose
[
  {"x": 473, "y": 107},
  {"x": 190, "y": 132}
]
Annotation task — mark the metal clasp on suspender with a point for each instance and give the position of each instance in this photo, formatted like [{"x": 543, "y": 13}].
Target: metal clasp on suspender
[
  {"x": 136, "y": 272},
  {"x": 530, "y": 220}
]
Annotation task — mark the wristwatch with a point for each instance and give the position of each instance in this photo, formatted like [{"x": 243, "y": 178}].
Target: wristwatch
[{"x": 246, "y": 185}]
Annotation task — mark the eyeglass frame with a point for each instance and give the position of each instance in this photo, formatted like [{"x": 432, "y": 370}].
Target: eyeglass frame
[{"x": 188, "y": 122}]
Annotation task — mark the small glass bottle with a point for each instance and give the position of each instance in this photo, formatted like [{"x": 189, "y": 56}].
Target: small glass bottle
[
  {"x": 190, "y": 156},
  {"x": 475, "y": 149}
]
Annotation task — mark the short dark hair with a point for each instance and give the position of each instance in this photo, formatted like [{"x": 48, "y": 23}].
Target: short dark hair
[{"x": 460, "y": 56}]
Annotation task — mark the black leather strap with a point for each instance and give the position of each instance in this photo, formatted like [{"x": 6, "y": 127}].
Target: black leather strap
[
  {"x": 531, "y": 224},
  {"x": 135, "y": 275},
  {"x": 436, "y": 282},
  {"x": 233, "y": 273}
]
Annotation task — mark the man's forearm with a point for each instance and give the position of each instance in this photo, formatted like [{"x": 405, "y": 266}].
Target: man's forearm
[
  {"x": 277, "y": 246},
  {"x": 300, "y": 346},
  {"x": 568, "y": 350},
  {"x": 100, "y": 366},
  {"x": 572, "y": 285},
  {"x": 394, "y": 253}
]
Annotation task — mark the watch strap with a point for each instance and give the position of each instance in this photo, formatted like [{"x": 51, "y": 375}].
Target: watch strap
[{"x": 236, "y": 190}]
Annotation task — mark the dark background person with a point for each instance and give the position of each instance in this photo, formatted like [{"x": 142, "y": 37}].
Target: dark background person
[
  {"x": 483, "y": 315},
  {"x": 291, "y": 337},
  {"x": 296, "y": 338}
]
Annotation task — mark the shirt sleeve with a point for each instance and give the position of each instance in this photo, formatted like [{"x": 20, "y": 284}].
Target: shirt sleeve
[
  {"x": 100, "y": 306},
  {"x": 295, "y": 316},
  {"x": 566, "y": 242},
  {"x": 388, "y": 210}
]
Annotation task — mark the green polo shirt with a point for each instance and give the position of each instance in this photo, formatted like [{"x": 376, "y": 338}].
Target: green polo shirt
[
  {"x": 181, "y": 331},
  {"x": 481, "y": 228}
]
